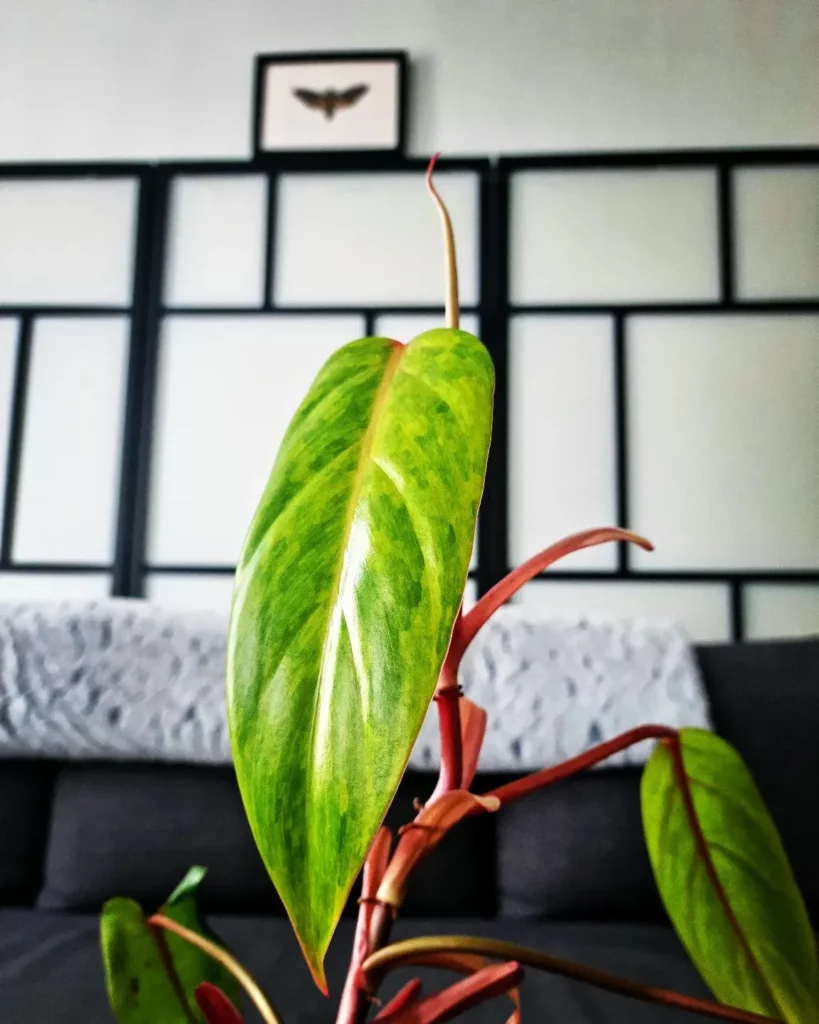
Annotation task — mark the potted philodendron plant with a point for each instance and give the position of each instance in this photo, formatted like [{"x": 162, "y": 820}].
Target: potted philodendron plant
[{"x": 347, "y": 621}]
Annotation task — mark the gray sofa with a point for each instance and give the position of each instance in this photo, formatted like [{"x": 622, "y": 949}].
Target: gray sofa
[{"x": 564, "y": 870}]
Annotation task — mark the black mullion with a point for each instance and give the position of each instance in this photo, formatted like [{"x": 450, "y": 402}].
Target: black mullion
[
  {"x": 352, "y": 162},
  {"x": 122, "y": 583},
  {"x": 131, "y": 535},
  {"x": 369, "y": 323},
  {"x": 493, "y": 536},
  {"x": 172, "y": 569},
  {"x": 54, "y": 568},
  {"x": 781, "y": 577},
  {"x": 713, "y": 308},
  {"x": 14, "y": 455},
  {"x": 660, "y": 159},
  {"x": 737, "y": 609},
  {"x": 725, "y": 233},
  {"x": 7, "y": 309},
  {"x": 317, "y": 310},
  {"x": 270, "y": 239},
  {"x": 621, "y": 467}
]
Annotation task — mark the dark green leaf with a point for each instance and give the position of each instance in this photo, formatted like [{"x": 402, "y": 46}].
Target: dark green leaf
[
  {"x": 346, "y": 594},
  {"x": 725, "y": 879},
  {"x": 150, "y": 975}
]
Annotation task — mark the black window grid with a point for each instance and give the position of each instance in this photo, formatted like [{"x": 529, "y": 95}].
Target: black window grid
[{"x": 494, "y": 309}]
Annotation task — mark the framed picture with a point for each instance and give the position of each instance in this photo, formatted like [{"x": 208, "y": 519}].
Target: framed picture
[{"x": 330, "y": 103}]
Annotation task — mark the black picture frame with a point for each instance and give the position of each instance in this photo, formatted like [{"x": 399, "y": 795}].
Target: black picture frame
[{"x": 295, "y": 157}]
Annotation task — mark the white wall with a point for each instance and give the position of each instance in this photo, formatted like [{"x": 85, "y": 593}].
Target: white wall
[
  {"x": 83, "y": 79},
  {"x": 723, "y": 428}
]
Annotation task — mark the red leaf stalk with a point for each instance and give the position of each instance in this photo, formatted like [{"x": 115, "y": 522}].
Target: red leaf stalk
[
  {"x": 537, "y": 780},
  {"x": 353, "y": 1004}
]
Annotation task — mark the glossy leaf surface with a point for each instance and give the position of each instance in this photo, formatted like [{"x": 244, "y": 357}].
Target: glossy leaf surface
[
  {"x": 346, "y": 591},
  {"x": 725, "y": 879},
  {"x": 150, "y": 976}
]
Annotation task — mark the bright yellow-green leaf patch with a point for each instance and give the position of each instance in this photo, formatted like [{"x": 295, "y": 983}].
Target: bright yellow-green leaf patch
[{"x": 346, "y": 593}]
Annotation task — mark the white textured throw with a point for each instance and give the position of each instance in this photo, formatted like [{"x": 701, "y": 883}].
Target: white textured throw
[{"x": 124, "y": 679}]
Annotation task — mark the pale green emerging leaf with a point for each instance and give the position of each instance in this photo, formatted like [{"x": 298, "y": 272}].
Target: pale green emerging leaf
[
  {"x": 726, "y": 881},
  {"x": 346, "y": 593}
]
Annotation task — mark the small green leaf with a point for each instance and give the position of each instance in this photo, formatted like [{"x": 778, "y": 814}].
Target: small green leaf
[
  {"x": 346, "y": 593},
  {"x": 144, "y": 986},
  {"x": 725, "y": 879},
  {"x": 139, "y": 988}
]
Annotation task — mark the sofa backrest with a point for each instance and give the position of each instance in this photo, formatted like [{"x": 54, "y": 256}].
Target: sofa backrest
[{"x": 73, "y": 834}]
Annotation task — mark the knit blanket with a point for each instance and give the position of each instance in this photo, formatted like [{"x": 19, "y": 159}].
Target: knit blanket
[{"x": 123, "y": 679}]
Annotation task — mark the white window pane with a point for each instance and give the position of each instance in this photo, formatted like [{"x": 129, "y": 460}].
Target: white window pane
[
  {"x": 702, "y": 609},
  {"x": 216, "y": 241},
  {"x": 72, "y": 440},
  {"x": 778, "y": 610},
  {"x": 405, "y": 328},
  {"x": 618, "y": 236},
  {"x": 777, "y": 223},
  {"x": 40, "y": 586},
  {"x": 724, "y": 435},
  {"x": 228, "y": 387},
  {"x": 190, "y": 593},
  {"x": 470, "y": 594},
  {"x": 358, "y": 239},
  {"x": 67, "y": 242},
  {"x": 561, "y": 423},
  {"x": 8, "y": 353}
]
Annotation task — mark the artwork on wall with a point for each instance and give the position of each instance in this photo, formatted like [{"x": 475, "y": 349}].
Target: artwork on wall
[{"x": 330, "y": 102}]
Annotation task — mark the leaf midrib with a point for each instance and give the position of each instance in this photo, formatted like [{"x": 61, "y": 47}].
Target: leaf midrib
[
  {"x": 355, "y": 492},
  {"x": 703, "y": 848}
]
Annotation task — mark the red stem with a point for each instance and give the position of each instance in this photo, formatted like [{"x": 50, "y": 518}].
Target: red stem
[
  {"x": 448, "y": 701},
  {"x": 401, "y": 954},
  {"x": 353, "y": 1005},
  {"x": 537, "y": 780},
  {"x": 479, "y": 614}
]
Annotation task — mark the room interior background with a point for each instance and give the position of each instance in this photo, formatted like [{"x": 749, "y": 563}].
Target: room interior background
[{"x": 656, "y": 320}]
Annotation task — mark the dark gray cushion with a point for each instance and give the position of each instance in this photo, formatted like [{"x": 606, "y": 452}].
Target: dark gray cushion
[
  {"x": 765, "y": 701},
  {"x": 51, "y": 971},
  {"x": 25, "y": 802},
  {"x": 575, "y": 851},
  {"x": 133, "y": 830}
]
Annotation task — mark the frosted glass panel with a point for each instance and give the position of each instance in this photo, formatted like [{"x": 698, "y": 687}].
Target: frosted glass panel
[
  {"x": 67, "y": 242},
  {"x": 191, "y": 593},
  {"x": 773, "y": 611},
  {"x": 228, "y": 387},
  {"x": 217, "y": 240},
  {"x": 561, "y": 421},
  {"x": 358, "y": 239},
  {"x": 8, "y": 352},
  {"x": 40, "y": 586},
  {"x": 72, "y": 441},
  {"x": 617, "y": 236},
  {"x": 405, "y": 328},
  {"x": 777, "y": 223},
  {"x": 724, "y": 430},
  {"x": 702, "y": 609}
]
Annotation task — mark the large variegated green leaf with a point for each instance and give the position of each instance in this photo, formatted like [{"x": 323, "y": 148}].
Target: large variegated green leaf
[
  {"x": 725, "y": 879},
  {"x": 346, "y": 593}
]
